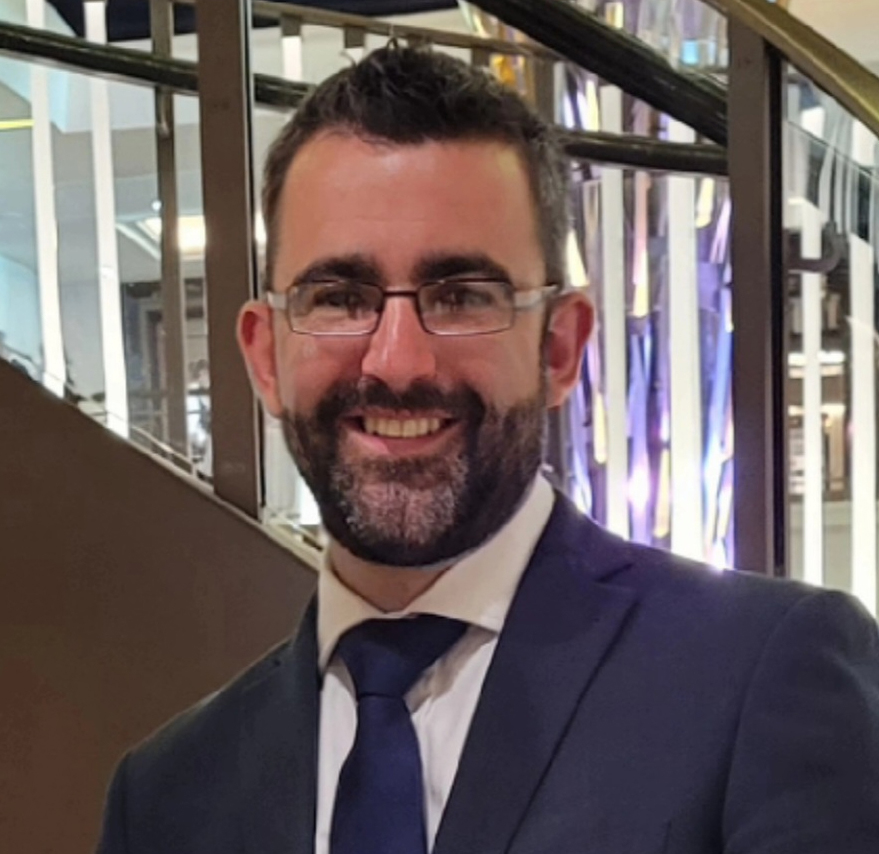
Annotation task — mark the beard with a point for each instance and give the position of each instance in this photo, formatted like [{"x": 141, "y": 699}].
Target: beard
[{"x": 424, "y": 510}]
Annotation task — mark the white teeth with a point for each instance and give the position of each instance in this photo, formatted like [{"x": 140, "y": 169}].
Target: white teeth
[{"x": 406, "y": 428}]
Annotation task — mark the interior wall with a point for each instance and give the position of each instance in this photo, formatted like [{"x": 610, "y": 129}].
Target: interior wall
[{"x": 128, "y": 594}]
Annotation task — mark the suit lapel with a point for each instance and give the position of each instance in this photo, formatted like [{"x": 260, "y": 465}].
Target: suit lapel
[
  {"x": 278, "y": 749},
  {"x": 559, "y": 629}
]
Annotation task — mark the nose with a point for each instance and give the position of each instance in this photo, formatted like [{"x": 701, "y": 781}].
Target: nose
[{"x": 400, "y": 351}]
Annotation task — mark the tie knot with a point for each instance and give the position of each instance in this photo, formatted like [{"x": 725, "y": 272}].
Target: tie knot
[{"x": 386, "y": 657}]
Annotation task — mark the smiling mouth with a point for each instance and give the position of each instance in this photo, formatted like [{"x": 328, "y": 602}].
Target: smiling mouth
[{"x": 401, "y": 428}]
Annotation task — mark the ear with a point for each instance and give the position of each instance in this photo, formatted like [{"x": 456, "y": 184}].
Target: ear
[
  {"x": 570, "y": 325},
  {"x": 256, "y": 339}
]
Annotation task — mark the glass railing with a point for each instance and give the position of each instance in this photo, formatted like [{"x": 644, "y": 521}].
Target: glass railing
[
  {"x": 80, "y": 246},
  {"x": 803, "y": 297},
  {"x": 648, "y": 442},
  {"x": 824, "y": 123},
  {"x": 688, "y": 33},
  {"x": 648, "y": 434},
  {"x": 830, "y": 214},
  {"x": 671, "y": 239},
  {"x": 287, "y": 504},
  {"x": 143, "y": 366},
  {"x": 649, "y": 430},
  {"x": 597, "y": 44}
]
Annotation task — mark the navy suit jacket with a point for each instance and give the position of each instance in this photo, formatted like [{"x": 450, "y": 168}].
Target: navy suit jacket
[{"x": 636, "y": 704}]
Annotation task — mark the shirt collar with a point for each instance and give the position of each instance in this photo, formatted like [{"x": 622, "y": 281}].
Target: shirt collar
[{"x": 477, "y": 590}]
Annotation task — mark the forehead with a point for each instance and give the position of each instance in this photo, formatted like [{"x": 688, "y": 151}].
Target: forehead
[{"x": 398, "y": 203}]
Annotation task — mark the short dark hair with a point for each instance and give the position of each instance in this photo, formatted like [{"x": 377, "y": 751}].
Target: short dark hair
[{"x": 408, "y": 96}]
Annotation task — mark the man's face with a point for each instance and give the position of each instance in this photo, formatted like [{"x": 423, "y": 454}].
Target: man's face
[{"x": 417, "y": 447}]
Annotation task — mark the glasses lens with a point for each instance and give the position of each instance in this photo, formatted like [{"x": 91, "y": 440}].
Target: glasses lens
[
  {"x": 461, "y": 307},
  {"x": 334, "y": 308}
]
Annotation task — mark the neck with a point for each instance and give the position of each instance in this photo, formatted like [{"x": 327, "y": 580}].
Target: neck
[{"x": 388, "y": 588}]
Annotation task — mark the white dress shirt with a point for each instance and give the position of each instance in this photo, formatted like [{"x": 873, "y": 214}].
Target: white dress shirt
[{"x": 478, "y": 590}]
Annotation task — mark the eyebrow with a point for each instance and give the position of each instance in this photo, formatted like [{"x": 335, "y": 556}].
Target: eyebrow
[
  {"x": 353, "y": 268},
  {"x": 357, "y": 267},
  {"x": 445, "y": 265}
]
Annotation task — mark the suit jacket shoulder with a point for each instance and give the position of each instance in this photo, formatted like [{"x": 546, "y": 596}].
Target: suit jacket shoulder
[
  {"x": 192, "y": 740},
  {"x": 199, "y": 782},
  {"x": 714, "y": 711}
]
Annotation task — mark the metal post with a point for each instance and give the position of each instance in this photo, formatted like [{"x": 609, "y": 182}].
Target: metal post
[
  {"x": 173, "y": 291},
  {"x": 480, "y": 57},
  {"x": 544, "y": 71},
  {"x": 355, "y": 43},
  {"x": 759, "y": 296},
  {"x": 226, "y": 98}
]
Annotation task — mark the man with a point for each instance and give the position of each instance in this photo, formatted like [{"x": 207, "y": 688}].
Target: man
[{"x": 567, "y": 692}]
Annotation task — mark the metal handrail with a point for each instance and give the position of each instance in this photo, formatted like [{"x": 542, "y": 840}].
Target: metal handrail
[
  {"x": 621, "y": 59},
  {"x": 844, "y": 78},
  {"x": 129, "y": 65},
  {"x": 841, "y": 76},
  {"x": 293, "y": 536},
  {"x": 97, "y": 411},
  {"x": 375, "y": 26},
  {"x": 582, "y": 37},
  {"x": 642, "y": 152},
  {"x": 182, "y": 76},
  {"x": 696, "y": 100}
]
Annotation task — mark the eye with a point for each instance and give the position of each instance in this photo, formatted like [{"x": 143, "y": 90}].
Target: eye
[
  {"x": 348, "y": 297},
  {"x": 465, "y": 296}
]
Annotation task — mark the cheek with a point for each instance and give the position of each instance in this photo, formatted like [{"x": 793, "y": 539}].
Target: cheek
[
  {"x": 503, "y": 370},
  {"x": 506, "y": 372},
  {"x": 308, "y": 368}
]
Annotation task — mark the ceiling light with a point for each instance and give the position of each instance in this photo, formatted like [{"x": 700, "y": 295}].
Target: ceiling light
[
  {"x": 191, "y": 233},
  {"x": 16, "y": 124}
]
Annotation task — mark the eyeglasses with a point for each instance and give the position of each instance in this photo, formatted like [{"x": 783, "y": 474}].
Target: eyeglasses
[{"x": 446, "y": 307}]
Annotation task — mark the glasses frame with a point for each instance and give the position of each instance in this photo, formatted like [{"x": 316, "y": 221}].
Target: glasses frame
[{"x": 523, "y": 299}]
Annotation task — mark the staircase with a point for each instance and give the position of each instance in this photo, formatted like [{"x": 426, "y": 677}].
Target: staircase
[{"x": 129, "y": 592}]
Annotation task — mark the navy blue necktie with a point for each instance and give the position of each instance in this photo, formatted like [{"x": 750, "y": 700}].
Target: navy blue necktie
[{"x": 379, "y": 806}]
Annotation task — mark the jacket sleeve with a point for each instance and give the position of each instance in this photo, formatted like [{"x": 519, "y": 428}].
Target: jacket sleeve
[
  {"x": 113, "y": 838},
  {"x": 804, "y": 775}
]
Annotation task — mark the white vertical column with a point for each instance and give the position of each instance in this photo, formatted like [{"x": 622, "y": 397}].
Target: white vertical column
[
  {"x": 112, "y": 340},
  {"x": 685, "y": 410},
  {"x": 284, "y": 485},
  {"x": 54, "y": 364},
  {"x": 862, "y": 264},
  {"x": 281, "y": 478},
  {"x": 813, "y": 427},
  {"x": 291, "y": 48},
  {"x": 613, "y": 252}
]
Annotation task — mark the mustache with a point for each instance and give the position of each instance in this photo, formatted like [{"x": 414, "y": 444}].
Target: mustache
[{"x": 462, "y": 403}]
